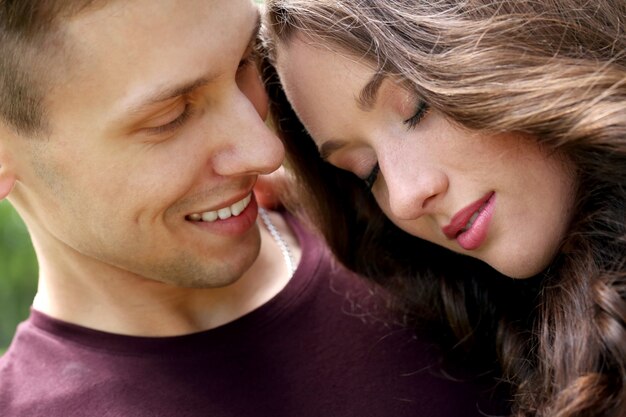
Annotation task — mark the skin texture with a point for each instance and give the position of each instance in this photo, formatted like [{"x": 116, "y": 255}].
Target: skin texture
[
  {"x": 433, "y": 170},
  {"x": 107, "y": 194}
]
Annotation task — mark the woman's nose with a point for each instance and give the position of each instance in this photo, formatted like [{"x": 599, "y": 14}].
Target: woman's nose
[{"x": 412, "y": 192}]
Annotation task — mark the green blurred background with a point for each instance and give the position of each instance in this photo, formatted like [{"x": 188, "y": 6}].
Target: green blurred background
[{"x": 18, "y": 273}]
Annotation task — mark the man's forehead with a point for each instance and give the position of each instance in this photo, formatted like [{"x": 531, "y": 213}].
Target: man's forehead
[
  {"x": 167, "y": 46},
  {"x": 169, "y": 91},
  {"x": 120, "y": 17}
]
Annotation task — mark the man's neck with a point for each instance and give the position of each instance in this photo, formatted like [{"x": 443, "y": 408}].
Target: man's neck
[{"x": 149, "y": 308}]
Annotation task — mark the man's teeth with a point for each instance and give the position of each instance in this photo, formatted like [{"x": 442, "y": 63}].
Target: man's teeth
[{"x": 223, "y": 213}]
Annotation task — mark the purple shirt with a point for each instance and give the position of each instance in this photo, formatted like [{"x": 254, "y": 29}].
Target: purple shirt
[{"x": 316, "y": 349}]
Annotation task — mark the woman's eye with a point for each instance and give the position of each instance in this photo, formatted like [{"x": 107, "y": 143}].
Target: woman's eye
[
  {"x": 174, "y": 124},
  {"x": 371, "y": 177},
  {"x": 422, "y": 109}
]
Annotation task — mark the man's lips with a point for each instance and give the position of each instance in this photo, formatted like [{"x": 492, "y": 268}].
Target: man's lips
[
  {"x": 463, "y": 216},
  {"x": 223, "y": 213}
]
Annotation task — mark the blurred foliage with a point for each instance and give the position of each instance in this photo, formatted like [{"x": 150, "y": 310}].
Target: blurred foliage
[{"x": 18, "y": 273}]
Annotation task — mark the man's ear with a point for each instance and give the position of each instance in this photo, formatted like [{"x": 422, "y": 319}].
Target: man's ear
[
  {"x": 7, "y": 181},
  {"x": 7, "y": 176}
]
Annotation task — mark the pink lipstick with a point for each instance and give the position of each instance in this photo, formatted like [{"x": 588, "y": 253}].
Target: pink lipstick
[{"x": 470, "y": 225}]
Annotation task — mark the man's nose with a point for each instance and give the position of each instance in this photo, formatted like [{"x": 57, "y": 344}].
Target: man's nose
[{"x": 248, "y": 146}]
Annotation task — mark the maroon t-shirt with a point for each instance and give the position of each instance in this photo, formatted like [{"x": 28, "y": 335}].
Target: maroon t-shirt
[{"x": 316, "y": 349}]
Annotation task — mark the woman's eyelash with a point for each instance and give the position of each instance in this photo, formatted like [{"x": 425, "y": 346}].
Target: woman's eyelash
[
  {"x": 174, "y": 124},
  {"x": 371, "y": 177},
  {"x": 422, "y": 109}
]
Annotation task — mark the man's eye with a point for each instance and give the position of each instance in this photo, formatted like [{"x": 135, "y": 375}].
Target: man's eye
[
  {"x": 371, "y": 177},
  {"x": 251, "y": 58},
  {"x": 174, "y": 124},
  {"x": 422, "y": 109}
]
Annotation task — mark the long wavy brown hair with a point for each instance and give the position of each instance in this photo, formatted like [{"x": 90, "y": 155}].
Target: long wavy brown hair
[{"x": 554, "y": 70}]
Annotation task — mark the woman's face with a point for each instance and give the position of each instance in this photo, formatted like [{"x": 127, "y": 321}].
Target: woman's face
[{"x": 499, "y": 198}]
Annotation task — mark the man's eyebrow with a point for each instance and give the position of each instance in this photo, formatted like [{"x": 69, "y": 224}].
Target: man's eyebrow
[
  {"x": 367, "y": 96},
  {"x": 188, "y": 87},
  {"x": 169, "y": 93}
]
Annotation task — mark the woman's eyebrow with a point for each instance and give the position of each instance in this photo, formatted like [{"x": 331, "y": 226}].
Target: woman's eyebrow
[
  {"x": 366, "y": 100},
  {"x": 367, "y": 96}
]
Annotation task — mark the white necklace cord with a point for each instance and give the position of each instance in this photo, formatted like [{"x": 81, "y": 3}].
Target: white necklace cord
[{"x": 282, "y": 244}]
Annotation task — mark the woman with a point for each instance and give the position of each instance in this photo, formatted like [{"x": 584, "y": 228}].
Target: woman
[{"x": 475, "y": 141}]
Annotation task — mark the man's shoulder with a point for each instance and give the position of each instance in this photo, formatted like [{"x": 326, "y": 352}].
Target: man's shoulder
[
  {"x": 30, "y": 375},
  {"x": 344, "y": 291}
]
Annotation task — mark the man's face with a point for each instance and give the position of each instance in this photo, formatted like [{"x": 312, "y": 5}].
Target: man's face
[{"x": 158, "y": 121}]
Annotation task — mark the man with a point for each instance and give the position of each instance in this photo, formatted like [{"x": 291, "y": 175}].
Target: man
[{"x": 132, "y": 136}]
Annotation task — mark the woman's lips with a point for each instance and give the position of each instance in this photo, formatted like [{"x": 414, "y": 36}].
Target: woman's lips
[{"x": 469, "y": 226}]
